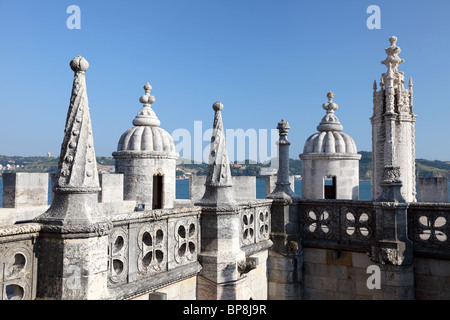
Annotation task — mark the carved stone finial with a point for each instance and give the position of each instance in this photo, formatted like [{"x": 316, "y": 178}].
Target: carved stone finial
[
  {"x": 393, "y": 40},
  {"x": 283, "y": 127},
  {"x": 330, "y": 96},
  {"x": 217, "y": 106},
  {"x": 147, "y": 98},
  {"x": 410, "y": 83},
  {"x": 375, "y": 85},
  {"x": 330, "y": 106},
  {"x": 147, "y": 117},
  {"x": 330, "y": 122},
  {"x": 79, "y": 64},
  {"x": 393, "y": 60}
]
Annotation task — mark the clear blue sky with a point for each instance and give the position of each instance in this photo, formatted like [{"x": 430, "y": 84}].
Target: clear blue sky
[{"x": 264, "y": 60}]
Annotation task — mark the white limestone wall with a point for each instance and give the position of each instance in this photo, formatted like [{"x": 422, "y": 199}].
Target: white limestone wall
[
  {"x": 271, "y": 183},
  {"x": 406, "y": 159},
  {"x": 346, "y": 172},
  {"x": 182, "y": 290},
  {"x": 404, "y": 145},
  {"x": 378, "y": 138},
  {"x": 256, "y": 284},
  {"x": 138, "y": 179},
  {"x": 25, "y": 189},
  {"x": 345, "y": 277},
  {"x": 244, "y": 188},
  {"x": 433, "y": 189},
  {"x": 432, "y": 279}
]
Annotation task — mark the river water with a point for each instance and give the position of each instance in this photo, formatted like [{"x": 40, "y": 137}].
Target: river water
[{"x": 182, "y": 191}]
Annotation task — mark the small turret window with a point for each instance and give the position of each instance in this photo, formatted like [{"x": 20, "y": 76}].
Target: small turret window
[
  {"x": 157, "y": 192},
  {"x": 329, "y": 185}
]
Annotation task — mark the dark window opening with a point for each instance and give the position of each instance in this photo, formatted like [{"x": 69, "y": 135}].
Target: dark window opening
[
  {"x": 157, "y": 192},
  {"x": 330, "y": 188}
]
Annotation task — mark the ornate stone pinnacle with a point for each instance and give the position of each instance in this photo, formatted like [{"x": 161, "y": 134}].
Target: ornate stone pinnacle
[
  {"x": 147, "y": 117},
  {"x": 147, "y": 98},
  {"x": 79, "y": 64},
  {"x": 330, "y": 106},
  {"x": 393, "y": 61},
  {"x": 330, "y": 122},
  {"x": 283, "y": 127}
]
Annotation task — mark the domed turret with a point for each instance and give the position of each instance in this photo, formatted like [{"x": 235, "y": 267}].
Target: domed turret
[
  {"x": 330, "y": 160},
  {"x": 146, "y": 156}
]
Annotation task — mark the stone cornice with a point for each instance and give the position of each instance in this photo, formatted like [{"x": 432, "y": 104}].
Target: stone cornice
[
  {"x": 330, "y": 156},
  {"x": 144, "y": 155},
  {"x": 20, "y": 229},
  {"x": 153, "y": 215},
  {"x": 76, "y": 231}
]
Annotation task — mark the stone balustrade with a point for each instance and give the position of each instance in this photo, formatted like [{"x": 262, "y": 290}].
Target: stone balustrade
[
  {"x": 344, "y": 223},
  {"x": 353, "y": 225},
  {"x": 148, "y": 249},
  {"x": 429, "y": 227},
  {"x": 255, "y": 220}
]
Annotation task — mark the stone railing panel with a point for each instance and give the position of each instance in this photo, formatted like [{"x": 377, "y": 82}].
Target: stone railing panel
[
  {"x": 146, "y": 243},
  {"x": 429, "y": 225},
  {"x": 340, "y": 221},
  {"x": 18, "y": 262},
  {"x": 255, "y": 220}
]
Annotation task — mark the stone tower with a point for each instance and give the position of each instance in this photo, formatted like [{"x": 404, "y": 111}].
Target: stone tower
[
  {"x": 393, "y": 123},
  {"x": 147, "y": 158},
  {"x": 330, "y": 154}
]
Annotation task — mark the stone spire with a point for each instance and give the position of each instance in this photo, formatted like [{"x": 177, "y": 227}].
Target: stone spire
[
  {"x": 218, "y": 177},
  {"x": 147, "y": 117},
  {"x": 76, "y": 190},
  {"x": 330, "y": 122},
  {"x": 77, "y": 162},
  {"x": 283, "y": 189}
]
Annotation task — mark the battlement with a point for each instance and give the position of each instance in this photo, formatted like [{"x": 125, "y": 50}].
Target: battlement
[
  {"x": 432, "y": 189},
  {"x": 25, "y": 189},
  {"x": 27, "y": 195}
]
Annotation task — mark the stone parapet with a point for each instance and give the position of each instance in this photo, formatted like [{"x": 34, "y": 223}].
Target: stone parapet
[
  {"x": 244, "y": 188},
  {"x": 21, "y": 190}
]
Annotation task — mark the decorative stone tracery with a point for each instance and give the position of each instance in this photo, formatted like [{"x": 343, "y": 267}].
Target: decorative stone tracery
[
  {"x": 16, "y": 271},
  {"x": 152, "y": 244}
]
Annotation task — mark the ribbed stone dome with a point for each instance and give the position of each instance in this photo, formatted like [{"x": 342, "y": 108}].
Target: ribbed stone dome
[
  {"x": 330, "y": 142},
  {"x": 146, "y": 135},
  {"x": 146, "y": 138},
  {"x": 330, "y": 138}
]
